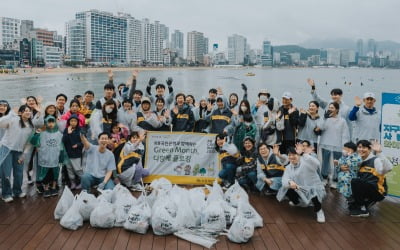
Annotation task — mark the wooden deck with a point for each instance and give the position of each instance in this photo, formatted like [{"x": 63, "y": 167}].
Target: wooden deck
[{"x": 29, "y": 224}]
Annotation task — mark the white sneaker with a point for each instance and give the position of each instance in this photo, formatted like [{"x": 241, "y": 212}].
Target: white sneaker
[
  {"x": 8, "y": 199},
  {"x": 321, "y": 216},
  {"x": 292, "y": 204},
  {"x": 22, "y": 195}
]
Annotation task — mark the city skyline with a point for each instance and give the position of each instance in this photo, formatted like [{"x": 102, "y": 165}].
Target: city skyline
[{"x": 290, "y": 22}]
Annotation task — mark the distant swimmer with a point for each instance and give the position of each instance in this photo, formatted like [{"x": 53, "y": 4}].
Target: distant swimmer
[
  {"x": 345, "y": 82},
  {"x": 349, "y": 83},
  {"x": 326, "y": 83},
  {"x": 362, "y": 84}
]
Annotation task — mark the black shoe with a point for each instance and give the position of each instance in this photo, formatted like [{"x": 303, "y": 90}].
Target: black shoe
[
  {"x": 54, "y": 192},
  {"x": 357, "y": 212},
  {"x": 47, "y": 193},
  {"x": 40, "y": 189},
  {"x": 269, "y": 192}
]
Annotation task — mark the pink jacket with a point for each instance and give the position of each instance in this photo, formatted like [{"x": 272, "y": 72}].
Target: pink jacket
[{"x": 80, "y": 117}]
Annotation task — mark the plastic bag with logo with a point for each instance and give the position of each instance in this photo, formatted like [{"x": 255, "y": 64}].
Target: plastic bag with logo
[
  {"x": 213, "y": 217},
  {"x": 248, "y": 212},
  {"x": 241, "y": 230},
  {"x": 138, "y": 219},
  {"x": 123, "y": 204}
]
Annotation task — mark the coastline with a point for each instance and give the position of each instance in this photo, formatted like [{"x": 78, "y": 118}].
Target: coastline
[{"x": 34, "y": 72}]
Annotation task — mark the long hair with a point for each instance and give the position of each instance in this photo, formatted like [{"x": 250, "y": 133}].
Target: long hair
[
  {"x": 22, "y": 110},
  {"x": 247, "y": 104},
  {"x": 113, "y": 115}
]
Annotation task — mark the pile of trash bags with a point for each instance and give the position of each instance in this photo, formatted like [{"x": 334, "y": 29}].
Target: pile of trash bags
[{"x": 199, "y": 214}]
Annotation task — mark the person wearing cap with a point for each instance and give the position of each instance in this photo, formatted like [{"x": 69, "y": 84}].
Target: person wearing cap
[
  {"x": 219, "y": 118},
  {"x": 290, "y": 116},
  {"x": 336, "y": 96},
  {"x": 147, "y": 119},
  {"x": 369, "y": 186},
  {"x": 367, "y": 119},
  {"x": 18, "y": 129},
  {"x": 50, "y": 155},
  {"x": 260, "y": 107},
  {"x": 246, "y": 171},
  {"x": 160, "y": 91},
  {"x": 4, "y": 110},
  {"x": 301, "y": 183},
  {"x": 182, "y": 115}
]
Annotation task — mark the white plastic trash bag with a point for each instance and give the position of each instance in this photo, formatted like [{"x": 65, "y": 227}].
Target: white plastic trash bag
[
  {"x": 86, "y": 203},
  {"x": 123, "y": 204},
  {"x": 117, "y": 191},
  {"x": 162, "y": 222},
  {"x": 72, "y": 219},
  {"x": 235, "y": 194},
  {"x": 106, "y": 195},
  {"x": 197, "y": 199},
  {"x": 161, "y": 183},
  {"x": 64, "y": 203},
  {"x": 103, "y": 215},
  {"x": 230, "y": 212},
  {"x": 185, "y": 215},
  {"x": 216, "y": 192},
  {"x": 248, "y": 212},
  {"x": 138, "y": 219},
  {"x": 241, "y": 230},
  {"x": 213, "y": 217}
]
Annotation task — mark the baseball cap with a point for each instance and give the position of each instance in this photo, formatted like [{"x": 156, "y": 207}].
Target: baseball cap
[
  {"x": 287, "y": 95},
  {"x": 368, "y": 95}
]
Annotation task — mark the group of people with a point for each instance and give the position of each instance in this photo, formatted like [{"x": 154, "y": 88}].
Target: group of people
[{"x": 267, "y": 145}]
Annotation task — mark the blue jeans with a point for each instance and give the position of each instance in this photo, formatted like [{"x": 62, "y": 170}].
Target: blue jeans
[
  {"x": 326, "y": 164},
  {"x": 88, "y": 180},
  {"x": 249, "y": 180},
  {"x": 9, "y": 161},
  {"x": 228, "y": 172}
]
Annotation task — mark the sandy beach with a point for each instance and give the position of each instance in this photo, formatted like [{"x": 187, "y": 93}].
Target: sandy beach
[{"x": 29, "y": 72}]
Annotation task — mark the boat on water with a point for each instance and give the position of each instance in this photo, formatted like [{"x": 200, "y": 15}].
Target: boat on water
[{"x": 250, "y": 74}]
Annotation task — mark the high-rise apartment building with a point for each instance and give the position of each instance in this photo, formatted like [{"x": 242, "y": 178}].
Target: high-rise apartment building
[
  {"x": 333, "y": 57},
  {"x": 105, "y": 36},
  {"x": 236, "y": 49},
  {"x": 26, "y": 28},
  {"x": 134, "y": 34},
  {"x": 75, "y": 41},
  {"x": 46, "y": 36},
  {"x": 267, "y": 54},
  {"x": 177, "y": 42},
  {"x": 360, "y": 47},
  {"x": 197, "y": 47},
  {"x": 9, "y": 33},
  {"x": 151, "y": 42}
]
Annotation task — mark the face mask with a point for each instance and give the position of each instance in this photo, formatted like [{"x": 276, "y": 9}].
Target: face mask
[
  {"x": 243, "y": 108},
  {"x": 247, "y": 123},
  {"x": 109, "y": 110},
  {"x": 263, "y": 98}
]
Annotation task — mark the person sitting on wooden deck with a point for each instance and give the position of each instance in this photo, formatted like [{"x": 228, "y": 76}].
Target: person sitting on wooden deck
[
  {"x": 100, "y": 164},
  {"x": 370, "y": 185},
  {"x": 301, "y": 183}
]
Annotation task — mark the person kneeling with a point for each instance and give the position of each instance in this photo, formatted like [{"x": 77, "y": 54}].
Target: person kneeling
[
  {"x": 370, "y": 185},
  {"x": 130, "y": 169},
  {"x": 270, "y": 169},
  {"x": 228, "y": 154},
  {"x": 301, "y": 183},
  {"x": 100, "y": 164}
]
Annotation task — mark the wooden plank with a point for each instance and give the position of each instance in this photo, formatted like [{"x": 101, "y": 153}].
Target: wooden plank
[
  {"x": 267, "y": 238},
  {"x": 279, "y": 238},
  {"x": 147, "y": 240},
  {"x": 158, "y": 242},
  {"x": 61, "y": 239},
  {"x": 313, "y": 236},
  {"x": 171, "y": 242},
  {"x": 134, "y": 241},
  {"x": 11, "y": 239},
  {"x": 74, "y": 237},
  {"x": 300, "y": 234},
  {"x": 86, "y": 239},
  {"x": 182, "y": 244},
  {"x": 49, "y": 239},
  {"x": 39, "y": 236},
  {"x": 110, "y": 239},
  {"x": 122, "y": 240},
  {"x": 98, "y": 239}
]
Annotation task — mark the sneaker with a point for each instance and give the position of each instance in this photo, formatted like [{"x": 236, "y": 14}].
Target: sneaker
[
  {"x": 364, "y": 213},
  {"x": 8, "y": 199},
  {"x": 291, "y": 203},
  {"x": 53, "y": 192},
  {"x": 136, "y": 188},
  {"x": 47, "y": 193},
  {"x": 22, "y": 195},
  {"x": 357, "y": 212},
  {"x": 321, "y": 216},
  {"x": 40, "y": 189}
]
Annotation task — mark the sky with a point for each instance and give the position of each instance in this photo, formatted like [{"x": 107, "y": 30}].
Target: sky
[{"x": 281, "y": 22}]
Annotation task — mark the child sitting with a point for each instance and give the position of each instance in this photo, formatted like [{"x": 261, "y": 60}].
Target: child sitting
[
  {"x": 50, "y": 155},
  {"x": 119, "y": 133},
  {"x": 73, "y": 146},
  {"x": 347, "y": 168},
  {"x": 130, "y": 169}
]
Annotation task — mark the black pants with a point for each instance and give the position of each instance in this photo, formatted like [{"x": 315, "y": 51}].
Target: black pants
[
  {"x": 294, "y": 197},
  {"x": 364, "y": 193}
]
